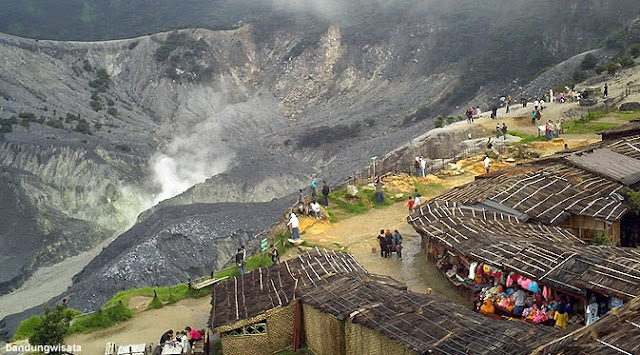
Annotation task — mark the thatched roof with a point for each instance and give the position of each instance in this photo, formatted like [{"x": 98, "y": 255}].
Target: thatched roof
[
  {"x": 420, "y": 322},
  {"x": 627, "y": 129},
  {"x": 547, "y": 192},
  {"x": 618, "y": 332},
  {"x": 550, "y": 255},
  {"x": 253, "y": 294},
  {"x": 629, "y": 146}
]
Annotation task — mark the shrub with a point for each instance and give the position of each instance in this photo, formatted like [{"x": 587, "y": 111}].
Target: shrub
[
  {"x": 439, "y": 123},
  {"x": 96, "y": 105},
  {"x": 86, "y": 66},
  {"x": 635, "y": 50},
  {"x": 625, "y": 61},
  {"x": 54, "y": 123},
  {"x": 612, "y": 67},
  {"x": 600, "y": 69},
  {"x": 589, "y": 62},
  {"x": 112, "y": 111},
  {"x": 101, "y": 319},
  {"x": 634, "y": 201},
  {"x": 83, "y": 127},
  {"x": 27, "y": 115}
]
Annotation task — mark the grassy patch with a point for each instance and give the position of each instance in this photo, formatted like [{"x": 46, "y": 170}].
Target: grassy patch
[
  {"x": 526, "y": 138},
  {"x": 155, "y": 304},
  {"x": 582, "y": 127},
  {"x": 429, "y": 189},
  {"x": 101, "y": 320},
  {"x": 341, "y": 206},
  {"x": 26, "y": 328},
  {"x": 628, "y": 116}
]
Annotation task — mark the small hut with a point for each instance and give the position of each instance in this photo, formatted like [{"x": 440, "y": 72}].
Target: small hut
[{"x": 255, "y": 313}]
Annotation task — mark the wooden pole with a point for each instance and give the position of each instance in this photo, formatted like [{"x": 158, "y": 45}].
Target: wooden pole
[{"x": 297, "y": 326}]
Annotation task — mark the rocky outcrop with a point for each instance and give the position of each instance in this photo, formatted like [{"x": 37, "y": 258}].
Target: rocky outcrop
[{"x": 630, "y": 106}]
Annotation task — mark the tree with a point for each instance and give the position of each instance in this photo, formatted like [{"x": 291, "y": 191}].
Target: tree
[
  {"x": 54, "y": 327},
  {"x": 589, "y": 62},
  {"x": 634, "y": 201}
]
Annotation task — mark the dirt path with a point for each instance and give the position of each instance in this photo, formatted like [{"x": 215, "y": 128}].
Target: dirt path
[{"x": 147, "y": 326}]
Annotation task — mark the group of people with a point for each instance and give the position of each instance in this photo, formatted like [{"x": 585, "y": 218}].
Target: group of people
[
  {"x": 552, "y": 129},
  {"x": 471, "y": 113},
  {"x": 501, "y": 131},
  {"x": 420, "y": 165},
  {"x": 414, "y": 201},
  {"x": 314, "y": 195},
  {"x": 181, "y": 339},
  {"x": 311, "y": 209},
  {"x": 389, "y": 243}
]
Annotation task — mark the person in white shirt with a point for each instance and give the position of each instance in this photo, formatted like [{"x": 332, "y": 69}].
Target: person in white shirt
[
  {"x": 487, "y": 162},
  {"x": 423, "y": 166},
  {"x": 315, "y": 208},
  {"x": 294, "y": 225}
]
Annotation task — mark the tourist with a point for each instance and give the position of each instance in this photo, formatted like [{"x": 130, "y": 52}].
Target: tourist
[
  {"x": 410, "y": 203},
  {"x": 417, "y": 201},
  {"x": 416, "y": 165},
  {"x": 166, "y": 337},
  {"x": 504, "y": 131},
  {"x": 605, "y": 92},
  {"x": 497, "y": 130},
  {"x": 325, "y": 194},
  {"x": 274, "y": 253},
  {"x": 415, "y": 192},
  {"x": 556, "y": 129},
  {"x": 379, "y": 192},
  {"x": 300, "y": 196},
  {"x": 183, "y": 339},
  {"x": 519, "y": 297},
  {"x": 547, "y": 131},
  {"x": 383, "y": 243},
  {"x": 536, "y": 105},
  {"x": 313, "y": 188},
  {"x": 489, "y": 144},
  {"x": 533, "y": 117},
  {"x": 538, "y": 115},
  {"x": 316, "y": 211},
  {"x": 399, "y": 250},
  {"x": 389, "y": 243},
  {"x": 523, "y": 101},
  {"x": 397, "y": 237},
  {"x": 494, "y": 112},
  {"x": 487, "y": 163},
  {"x": 294, "y": 225},
  {"x": 240, "y": 261},
  {"x": 423, "y": 166},
  {"x": 192, "y": 335},
  {"x": 541, "y": 105}
]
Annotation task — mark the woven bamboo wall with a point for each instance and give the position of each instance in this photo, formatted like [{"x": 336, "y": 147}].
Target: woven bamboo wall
[
  {"x": 245, "y": 344},
  {"x": 279, "y": 334},
  {"x": 361, "y": 340},
  {"x": 280, "y": 327},
  {"x": 324, "y": 333}
]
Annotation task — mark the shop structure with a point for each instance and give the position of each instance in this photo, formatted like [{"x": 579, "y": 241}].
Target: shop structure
[
  {"x": 584, "y": 190},
  {"x": 327, "y": 302},
  {"x": 616, "y": 333},
  {"x": 487, "y": 253}
]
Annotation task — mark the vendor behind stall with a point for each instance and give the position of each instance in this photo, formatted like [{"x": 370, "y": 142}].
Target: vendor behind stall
[{"x": 519, "y": 297}]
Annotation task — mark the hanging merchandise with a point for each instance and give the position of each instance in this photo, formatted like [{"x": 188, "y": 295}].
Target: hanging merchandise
[
  {"x": 486, "y": 269},
  {"x": 472, "y": 270},
  {"x": 533, "y": 287},
  {"x": 545, "y": 293}
]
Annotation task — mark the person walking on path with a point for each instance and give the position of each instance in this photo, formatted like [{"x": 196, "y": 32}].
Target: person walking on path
[
  {"x": 547, "y": 131},
  {"x": 294, "y": 226},
  {"x": 325, "y": 194},
  {"x": 556, "y": 128},
  {"x": 497, "y": 130},
  {"x": 399, "y": 250},
  {"x": 389, "y": 243},
  {"x": 504, "y": 131},
  {"x": 300, "y": 196},
  {"x": 410, "y": 203},
  {"x": 275, "y": 254},
  {"x": 383, "y": 243},
  {"x": 240, "y": 260},
  {"x": 379, "y": 192},
  {"x": 487, "y": 163},
  {"x": 533, "y": 117},
  {"x": 397, "y": 237},
  {"x": 605, "y": 93}
]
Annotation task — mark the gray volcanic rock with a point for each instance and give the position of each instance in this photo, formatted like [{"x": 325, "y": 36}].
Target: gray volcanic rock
[{"x": 172, "y": 245}]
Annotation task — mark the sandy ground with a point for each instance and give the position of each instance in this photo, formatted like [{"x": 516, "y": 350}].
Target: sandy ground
[
  {"x": 147, "y": 326},
  {"x": 47, "y": 282}
]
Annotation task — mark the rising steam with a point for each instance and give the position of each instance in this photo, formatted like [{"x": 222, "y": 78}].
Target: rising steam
[{"x": 189, "y": 160}]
